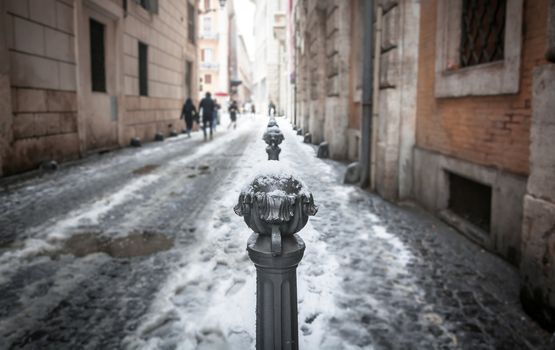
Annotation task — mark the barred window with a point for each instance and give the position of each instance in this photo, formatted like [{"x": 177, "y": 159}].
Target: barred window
[
  {"x": 191, "y": 22},
  {"x": 98, "y": 61},
  {"x": 189, "y": 78},
  {"x": 483, "y": 31}
]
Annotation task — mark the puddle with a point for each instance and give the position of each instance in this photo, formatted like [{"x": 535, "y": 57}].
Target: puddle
[
  {"x": 145, "y": 169},
  {"x": 133, "y": 245}
]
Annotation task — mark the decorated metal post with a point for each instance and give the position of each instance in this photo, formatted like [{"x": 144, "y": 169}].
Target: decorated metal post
[
  {"x": 273, "y": 137},
  {"x": 276, "y": 207}
]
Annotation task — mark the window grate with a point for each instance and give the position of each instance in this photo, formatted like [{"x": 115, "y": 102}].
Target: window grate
[
  {"x": 191, "y": 22},
  {"x": 483, "y": 31},
  {"x": 98, "y": 64},
  {"x": 143, "y": 69},
  {"x": 189, "y": 78}
]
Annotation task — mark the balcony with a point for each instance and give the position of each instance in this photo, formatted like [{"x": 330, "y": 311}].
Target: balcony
[
  {"x": 206, "y": 35},
  {"x": 209, "y": 65},
  {"x": 280, "y": 22}
]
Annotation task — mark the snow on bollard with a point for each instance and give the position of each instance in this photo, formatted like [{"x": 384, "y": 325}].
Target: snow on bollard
[
  {"x": 272, "y": 122},
  {"x": 276, "y": 206},
  {"x": 273, "y": 137}
]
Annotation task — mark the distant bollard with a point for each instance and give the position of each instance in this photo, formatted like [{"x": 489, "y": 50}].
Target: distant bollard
[
  {"x": 273, "y": 137},
  {"x": 294, "y": 127},
  {"x": 174, "y": 133},
  {"x": 300, "y": 131},
  {"x": 323, "y": 150},
  {"x": 159, "y": 136},
  {"x": 307, "y": 138},
  {"x": 135, "y": 142},
  {"x": 276, "y": 207}
]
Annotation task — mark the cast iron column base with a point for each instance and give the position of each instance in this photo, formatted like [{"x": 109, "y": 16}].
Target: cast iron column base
[{"x": 276, "y": 291}]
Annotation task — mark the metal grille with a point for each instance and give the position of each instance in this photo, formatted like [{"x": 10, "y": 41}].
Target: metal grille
[
  {"x": 191, "y": 22},
  {"x": 98, "y": 67},
  {"x": 483, "y": 31}
]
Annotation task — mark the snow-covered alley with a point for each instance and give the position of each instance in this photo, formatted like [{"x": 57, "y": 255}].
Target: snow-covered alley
[{"x": 141, "y": 249}]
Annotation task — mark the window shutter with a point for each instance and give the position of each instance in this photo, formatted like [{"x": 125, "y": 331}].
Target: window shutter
[{"x": 153, "y": 6}]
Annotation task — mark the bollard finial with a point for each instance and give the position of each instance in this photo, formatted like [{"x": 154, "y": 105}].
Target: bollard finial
[{"x": 276, "y": 203}]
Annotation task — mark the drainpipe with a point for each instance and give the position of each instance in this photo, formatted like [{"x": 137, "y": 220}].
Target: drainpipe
[
  {"x": 375, "y": 96},
  {"x": 367, "y": 65}
]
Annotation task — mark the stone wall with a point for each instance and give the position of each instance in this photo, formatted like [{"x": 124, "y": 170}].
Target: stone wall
[
  {"x": 323, "y": 72},
  {"x": 538, "y": 229},
  {"x": 396, "y": 107},
  {"x": 169, "y": 48},
  {"x": 53, "y": 114},
  {"x": 43, "y": 82}
]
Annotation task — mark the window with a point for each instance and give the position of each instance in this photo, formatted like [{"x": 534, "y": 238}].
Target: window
[
  {"x": 191, "y": 22},
  {"x": 207, "y": 24},
  {"x": 98, "y": 60},
  {"x": 143, "y": 69},
  {"x": 478, "y": 47},
  {"x": 189, "y": 78},
  {"x": 208, "y": 79},
  {"x": 206, "y": 55},
  {"x": 206, "y": 5},
  {"x": 482, "y": 32},
  {"x": 470, "y": 200},
  {"x": 149, "y": 5}
]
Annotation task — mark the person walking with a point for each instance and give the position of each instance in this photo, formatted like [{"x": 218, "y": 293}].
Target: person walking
[
  {"x": 271, "y": 109},
  {"x": 207, "y": 106},
  {"x": 188, "y": 113},
  {"x": 233, "y": 109}
]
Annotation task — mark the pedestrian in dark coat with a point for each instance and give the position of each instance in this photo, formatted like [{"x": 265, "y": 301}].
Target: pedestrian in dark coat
[
  {"x": 188, "y": 113},
  {"x": 207, "y": 106},
  {"x": 233, "y": 110}
]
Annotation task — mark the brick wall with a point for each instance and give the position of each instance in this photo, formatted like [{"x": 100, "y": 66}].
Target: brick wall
[{"x": 489, "y": 130}]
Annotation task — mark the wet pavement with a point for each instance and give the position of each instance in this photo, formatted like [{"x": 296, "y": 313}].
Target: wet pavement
[{"x": 140, "y": 249}]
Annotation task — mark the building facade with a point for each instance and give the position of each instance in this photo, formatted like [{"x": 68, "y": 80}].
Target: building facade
[
  {"x": 83, "y": 76},
  {"x": 244, "y": 72},
  {"x": 269, "y": 69},
  {"x": 217, "y": 48},
  {"x": 461, "y": 116}
]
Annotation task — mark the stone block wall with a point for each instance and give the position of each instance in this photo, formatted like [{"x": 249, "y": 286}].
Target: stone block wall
[
  {"x": 40, "y": 42},
  {"x": 323, "y": 71},
  {"x": 49, "y": 111},
  {"x": 165, "y": 33},
  {"x": 538, "y": 228},
  {"x": 396, "y": 106}
]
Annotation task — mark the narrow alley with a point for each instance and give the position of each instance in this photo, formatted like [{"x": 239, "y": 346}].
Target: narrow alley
[{"x": 140, "y": 249}]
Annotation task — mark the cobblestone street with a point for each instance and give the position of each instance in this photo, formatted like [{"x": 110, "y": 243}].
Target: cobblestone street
[{"x": 141, "y": 249}]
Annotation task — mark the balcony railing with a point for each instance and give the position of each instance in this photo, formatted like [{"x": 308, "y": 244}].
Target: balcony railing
[
  {"x": 209, "y": 35},
  {"x": 209, "y": 65}
]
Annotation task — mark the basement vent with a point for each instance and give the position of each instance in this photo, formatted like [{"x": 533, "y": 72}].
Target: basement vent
[{"x": 470, "y": 200}]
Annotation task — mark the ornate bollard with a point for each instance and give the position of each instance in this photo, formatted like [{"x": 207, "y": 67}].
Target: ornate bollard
[
  {"x": 276, "y": 207},
  {"x": 273, "y": 137},
  {"x": 272, "y": 122}
]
